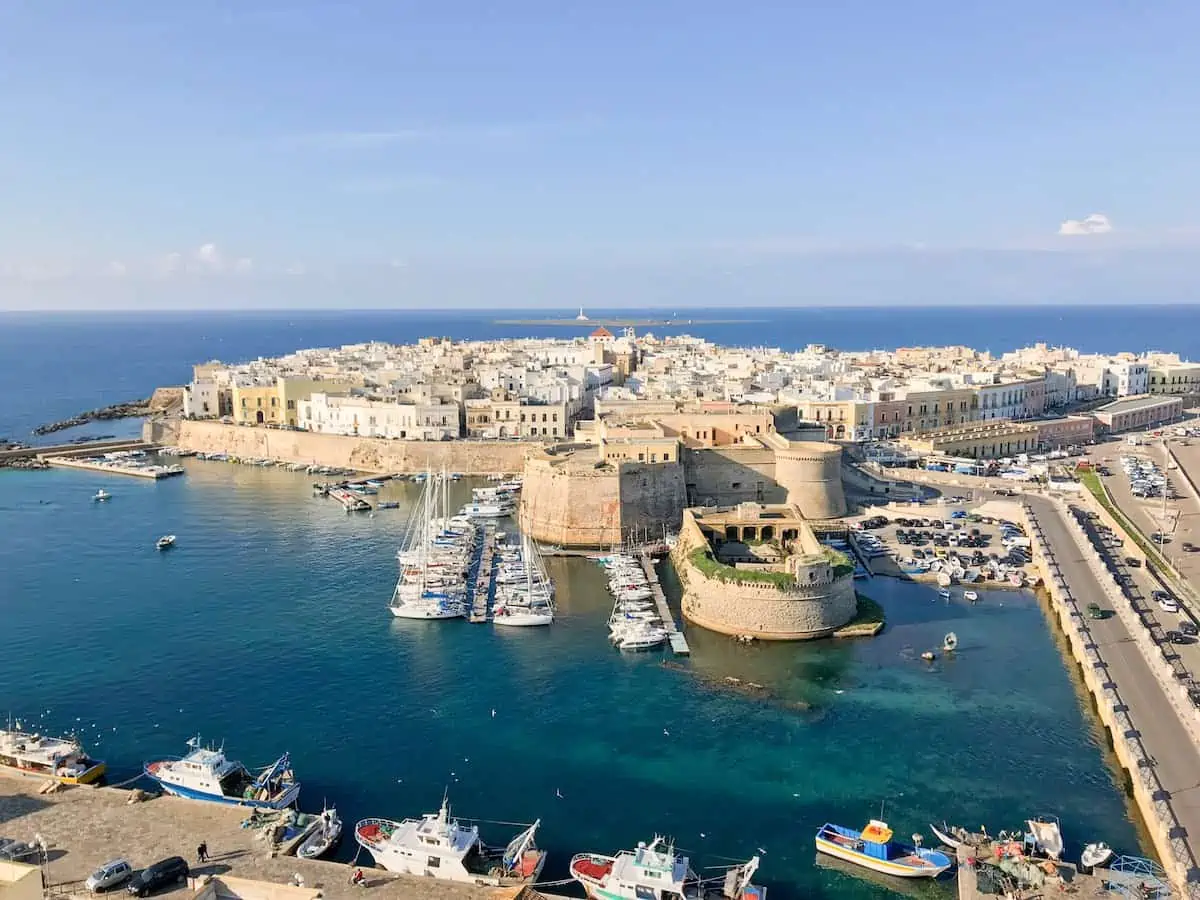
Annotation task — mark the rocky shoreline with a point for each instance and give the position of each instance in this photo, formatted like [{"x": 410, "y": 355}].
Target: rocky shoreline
[{"x": 128, "y": 410}]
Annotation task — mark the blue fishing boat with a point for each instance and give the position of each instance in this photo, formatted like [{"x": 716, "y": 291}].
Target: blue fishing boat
[
  {"x": 207, "y": 774},
  {"x": 873, "y": 848}
]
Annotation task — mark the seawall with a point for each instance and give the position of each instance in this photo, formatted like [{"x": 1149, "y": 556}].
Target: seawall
[{"x": 363, "y": 454}]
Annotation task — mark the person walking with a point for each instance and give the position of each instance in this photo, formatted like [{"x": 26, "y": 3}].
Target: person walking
[{"x": 202, "y": 852}]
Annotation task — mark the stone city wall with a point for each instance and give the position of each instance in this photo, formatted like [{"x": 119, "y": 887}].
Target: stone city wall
[
  {"x": 363, "y": 454},
  {"x": 727, "y": 476},
  {"x": 763, "y": 611}
]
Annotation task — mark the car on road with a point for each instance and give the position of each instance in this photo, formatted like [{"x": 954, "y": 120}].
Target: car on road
[
  {"x": 1094, "y": 611},
  {"x": 1133, "y": 562},
  {"x": 173, "y": 869},
  {"x": 1188, "y": 627},
  {"x": 1175, "y": 637},
  {"x": 1159, "y": 538},
  {"x": 109, "y": 875},
  {"x": 1188, "y": 546}
]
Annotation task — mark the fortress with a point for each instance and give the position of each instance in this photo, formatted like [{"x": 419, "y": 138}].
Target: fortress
[{"x": 627, "y": 480}]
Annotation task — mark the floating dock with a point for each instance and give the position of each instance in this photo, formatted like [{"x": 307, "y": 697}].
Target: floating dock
[
  {"x": 679, "y": 643},
  {"x": 484, "y": 573},
  {"x": 116, "y": 467}
]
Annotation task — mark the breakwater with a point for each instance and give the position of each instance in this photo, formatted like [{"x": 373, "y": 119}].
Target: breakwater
[
  {"x": 339, "y": 451},
  {"x": 130, "y": 410}
]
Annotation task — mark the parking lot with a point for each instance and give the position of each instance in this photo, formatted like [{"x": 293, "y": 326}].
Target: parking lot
[
  {"x": 1170, "y": 626},
  {"x": 972, "y": 541}
]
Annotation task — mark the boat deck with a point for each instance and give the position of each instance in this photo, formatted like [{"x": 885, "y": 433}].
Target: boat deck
[{"x": 679, "y": 643}]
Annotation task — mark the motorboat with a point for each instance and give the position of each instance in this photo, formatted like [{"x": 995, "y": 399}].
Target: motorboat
[
  {"x": 655, "y": 872},
  {"x": 971, "y": 596},
  {"x": 101, "y": 495},
  {"x": 208, "y": 774},
  {"x": 165, "y": 542},
  {"x": 488, "y": 510},
  {"x": 59, "y": 759},
  {"x": 324, "y": 836},
  {"x": 873, "y": 848},
  {"x": 1095, "y": 855},
  {"x": 1045, "y": 834},
  {"x": 950, "y": 642},
  {"x": 440, "y": 846}
]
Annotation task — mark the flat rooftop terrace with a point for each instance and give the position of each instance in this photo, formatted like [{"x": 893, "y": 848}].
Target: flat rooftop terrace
[{"x": 1133, "y": 404}]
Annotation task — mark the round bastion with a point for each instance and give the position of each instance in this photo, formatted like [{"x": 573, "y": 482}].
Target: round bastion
[{"x": 812, "y": 474}]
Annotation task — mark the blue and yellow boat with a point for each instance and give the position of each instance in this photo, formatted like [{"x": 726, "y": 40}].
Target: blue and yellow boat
[{"x": 873, "y": 848}]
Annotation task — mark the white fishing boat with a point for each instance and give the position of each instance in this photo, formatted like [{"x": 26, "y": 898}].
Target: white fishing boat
[
  {"x": 101, "y": 495},
  {"x": 439, "y": 846},
  {"x": 324, "y": 836},
  {"x": 208, "y": 774},
  {"x": 59, "y": 759},
  {"x": 165, "y": 542},
  {"x": 1045, "y": 834},
  {"x": 970, "y": 596},
  {"x": 656, "y": 872}
]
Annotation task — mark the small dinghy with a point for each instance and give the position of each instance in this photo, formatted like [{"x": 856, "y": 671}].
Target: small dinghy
[
  {"x": 165, "y": 542},
  {"x": 946, "y": 834},
  {"x": 101, "y": 494},
  {"x": 1095, "y": 855},
  {"x": 323, "y": 838},
  {"x": 950, "y": 642},
  {"x": 944, "y": 594},
  {"x": 970, "y": 596}
]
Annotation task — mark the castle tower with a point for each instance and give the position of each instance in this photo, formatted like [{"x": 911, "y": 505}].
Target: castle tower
[{"x": 812, "y": 474}]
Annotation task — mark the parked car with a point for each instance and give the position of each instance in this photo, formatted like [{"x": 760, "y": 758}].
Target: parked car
[
  {"x": 1175, "y": 637},
  {"x": 165, "y": 871},
  {"x": 1188, "y": 627},
  {"x": 1095, "y": 611},
  {"x": 1133, "y": 562},
  {"x": 1188, "y": 546},
  {"x": 109, "y": 875}
]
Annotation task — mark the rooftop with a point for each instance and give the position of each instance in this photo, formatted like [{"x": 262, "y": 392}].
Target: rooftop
[{"x": 1133, "y": 404}]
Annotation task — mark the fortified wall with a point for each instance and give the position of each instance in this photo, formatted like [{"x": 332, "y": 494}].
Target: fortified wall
[
  {"x": 808, "y": 593},
  {"x": 361, "y": 453}
]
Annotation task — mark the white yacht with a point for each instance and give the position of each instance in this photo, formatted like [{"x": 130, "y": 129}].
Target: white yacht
[
  {"x": 439, "y": 846},
  {"x": 528, "y": 600},
  {"x": 490, "y": 510}
]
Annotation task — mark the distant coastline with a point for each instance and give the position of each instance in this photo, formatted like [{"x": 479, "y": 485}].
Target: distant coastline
[{"x": 624, "y": 323}]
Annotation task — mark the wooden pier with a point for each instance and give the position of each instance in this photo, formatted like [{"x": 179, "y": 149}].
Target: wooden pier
[{"x": 679, "y": 643}]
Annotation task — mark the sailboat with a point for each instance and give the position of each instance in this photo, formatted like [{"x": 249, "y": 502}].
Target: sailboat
[
  {"x": 530, "y": 603},
  {"x": 433, "y": 560}
]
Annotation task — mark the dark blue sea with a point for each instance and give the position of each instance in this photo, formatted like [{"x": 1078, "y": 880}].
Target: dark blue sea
[{"x": 266, "y": 628}]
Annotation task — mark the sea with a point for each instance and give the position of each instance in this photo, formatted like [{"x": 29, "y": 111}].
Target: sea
[{"x": 266, "y": 629}]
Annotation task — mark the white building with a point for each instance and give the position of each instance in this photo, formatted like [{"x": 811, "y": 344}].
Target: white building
[
  {"x": 201, "y": 400},
  {"x": 365, "y": 417}
]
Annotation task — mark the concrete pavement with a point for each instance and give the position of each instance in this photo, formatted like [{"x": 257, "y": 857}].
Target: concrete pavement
[{"x": 1173, "y": 754}]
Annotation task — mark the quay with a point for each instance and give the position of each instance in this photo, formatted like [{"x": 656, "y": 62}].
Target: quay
[
  {"x": 1147, "y": 732},
  {"x": 1013, "y": 875},
  {"x": 118, "y": 466},
  {"x": 86, "y": 826},
  {"x": 679, "y": 643}
]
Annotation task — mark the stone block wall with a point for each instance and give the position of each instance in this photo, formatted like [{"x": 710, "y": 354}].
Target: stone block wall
[
  {"x": 727, "y": 476},
  {"x": 652, "y": 499},
  {"x": 560, "y": 504},
  {"x": 363, "y": 454}
]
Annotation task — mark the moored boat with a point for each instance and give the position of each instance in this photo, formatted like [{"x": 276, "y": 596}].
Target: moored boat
[
  {"x": 970, "y": 596},
  {"x": 873, "y": 848},
  {"x": 61, "y": 759},
  {"x": 655, "y": 872},
  {"x": 1095, "y": 855},
  {"x": 207, "y": 774},
  {"x": 439, "y": 846},
  {"x": 1045, "y": 834},
  {"x": 324, "y": 836}
]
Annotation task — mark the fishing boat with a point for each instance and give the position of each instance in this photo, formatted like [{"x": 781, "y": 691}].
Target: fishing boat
[
  {"x": 324, "y": 836},
  {"x": 207, "y": 774},
  {"x": 873, "y": 848},
  {"x": 970, "y": 596},
  {"x": 166, "y": 542},
  {"x": 950, "y": 835},
  {"x": 101, "y": 495},
  {"x": 60, "y": 759},
  {"x": 655, "y": 872},
  {"x": 1095, "y": 855},
  {"x": 1045, "y": 835},
  {"x": 439, "y": 846}
]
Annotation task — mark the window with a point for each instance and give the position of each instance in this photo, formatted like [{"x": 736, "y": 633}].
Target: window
[
  {"x": 543, "y": 417},
  {"x": 735, "y": 486},
  {"x": 260, "y": 402},
  {"x": 243, "y": 403},
  {"x": 291, "y": 404},
  {"x": 554, "y": 417},
  {"x": 666, "y": 457},
  {"x": 522, "y": 417},
  {"x": 274, "y": 401}
]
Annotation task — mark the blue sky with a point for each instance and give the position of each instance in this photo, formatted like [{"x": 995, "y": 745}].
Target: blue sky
[{"x": 527, "y": 153}]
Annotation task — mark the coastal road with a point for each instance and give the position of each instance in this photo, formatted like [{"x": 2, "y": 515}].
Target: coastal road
[{"x": 1176, "y": 758}]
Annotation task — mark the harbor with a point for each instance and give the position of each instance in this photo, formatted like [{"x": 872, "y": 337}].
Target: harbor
[{"x": 118, "y": 462}]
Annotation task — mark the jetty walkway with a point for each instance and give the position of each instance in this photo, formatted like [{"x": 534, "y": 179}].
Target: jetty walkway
[
  {"x": 679, "y": 643},
  {"x": 1149, "y": 734}
]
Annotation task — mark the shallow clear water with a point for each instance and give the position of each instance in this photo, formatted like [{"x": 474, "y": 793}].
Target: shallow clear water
[{"x": 266, "y": 628}]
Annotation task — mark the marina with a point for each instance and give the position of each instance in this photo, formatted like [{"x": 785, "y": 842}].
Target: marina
[{"x": 121, "y": 462}]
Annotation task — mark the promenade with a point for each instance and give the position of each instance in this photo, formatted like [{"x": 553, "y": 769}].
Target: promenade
[{"x": 1170, "y": 749}]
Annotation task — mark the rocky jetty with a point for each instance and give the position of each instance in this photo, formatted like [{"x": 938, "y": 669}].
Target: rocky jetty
[{"x": 116, "y": 411}]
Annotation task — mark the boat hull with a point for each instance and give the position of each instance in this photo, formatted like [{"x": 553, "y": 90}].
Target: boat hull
[
  {"x": 524, "y": 619},
  {"x": 883, "y": 866},
  {"x": 87, "y": 776},
  {"x": 283, "y": 801},
  {"x": 410, "y": 612}
]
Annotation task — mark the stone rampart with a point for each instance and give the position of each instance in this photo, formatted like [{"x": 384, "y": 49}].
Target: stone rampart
[
  {"x": 565, "y": 503},
  {"x": 727, "y": 476},
  {"x": 363, "y": 454},
  {"x": 811, "y": 473},
  {"x": 810, "y": 610}
]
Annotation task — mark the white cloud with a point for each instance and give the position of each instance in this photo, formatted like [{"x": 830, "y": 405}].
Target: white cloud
[
  {"x": 116, "y": 269},
  {"x": 209, "y": 257},
  {"x": 245, "y": 264},
  {"x": 1096, "y": 223}
]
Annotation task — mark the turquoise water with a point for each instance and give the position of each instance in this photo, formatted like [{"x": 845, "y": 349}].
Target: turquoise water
[{"x": 266, "y": 627}]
